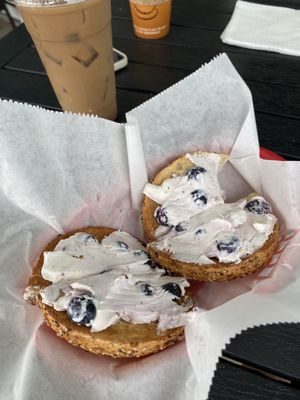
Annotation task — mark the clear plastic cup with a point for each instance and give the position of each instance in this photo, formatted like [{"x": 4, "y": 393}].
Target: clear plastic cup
[{"x": 74, "y": 42}]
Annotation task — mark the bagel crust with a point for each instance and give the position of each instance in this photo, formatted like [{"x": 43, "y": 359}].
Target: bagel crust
[
  {"x": 119, "y": 340},
  {"x": 219, "y": 271}
]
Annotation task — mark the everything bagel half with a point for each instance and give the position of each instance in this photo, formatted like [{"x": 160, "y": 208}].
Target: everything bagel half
[
  {"x": 121, "y": 338},
  {"x": 191, "y": 216}
]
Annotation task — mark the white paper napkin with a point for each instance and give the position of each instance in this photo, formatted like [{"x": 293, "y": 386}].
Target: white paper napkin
[{"x": 262, "y": 27}]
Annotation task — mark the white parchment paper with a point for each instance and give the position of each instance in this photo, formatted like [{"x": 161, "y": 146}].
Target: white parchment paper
[{"x": 62, "y": 171}]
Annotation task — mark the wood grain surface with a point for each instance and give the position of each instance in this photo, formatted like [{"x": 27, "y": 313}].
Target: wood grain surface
[
  {"x": 235, "y": 383},
  {"x": 272, "y": 348}
]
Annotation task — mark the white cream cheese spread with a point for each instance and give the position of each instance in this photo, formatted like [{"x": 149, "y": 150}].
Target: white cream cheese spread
[
  {"x": 226, "y": 233},
  {"x": 99, "y": 284},
  {"x": 182, "y": 196},
  {"x": 215, "y": 231}
]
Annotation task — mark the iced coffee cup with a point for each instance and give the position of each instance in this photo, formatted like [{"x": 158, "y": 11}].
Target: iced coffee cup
[
  {"x": 150, "y": 18},
  {"x": 74, "y": 41}
]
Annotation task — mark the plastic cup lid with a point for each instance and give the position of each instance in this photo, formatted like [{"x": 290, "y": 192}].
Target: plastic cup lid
[
  {"x": 45, "y": 3},
  {"x": 149, "y": 2}
]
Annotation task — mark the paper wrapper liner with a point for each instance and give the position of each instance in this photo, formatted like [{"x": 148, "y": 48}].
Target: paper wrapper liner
[{"x": 63, "y": 171}]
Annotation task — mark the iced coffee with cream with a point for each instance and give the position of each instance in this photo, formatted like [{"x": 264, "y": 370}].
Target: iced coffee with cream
[{"x": 74, "y": 41}]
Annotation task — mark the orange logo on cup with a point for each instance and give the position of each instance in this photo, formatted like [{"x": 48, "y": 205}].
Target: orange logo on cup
[
  {"x": 151, "y": 21},
  {"x": 146, "y": 15}
]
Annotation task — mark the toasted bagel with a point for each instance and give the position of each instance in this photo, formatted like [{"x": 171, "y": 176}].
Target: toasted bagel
[
  {"x": 119, "y": 340},
  {"x": 219, "y": 271}
]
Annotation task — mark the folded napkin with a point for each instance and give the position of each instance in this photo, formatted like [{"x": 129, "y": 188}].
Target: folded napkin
[{"x": 263, "y": 27}]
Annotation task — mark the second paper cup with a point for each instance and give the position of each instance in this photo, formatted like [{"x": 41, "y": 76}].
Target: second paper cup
[{"x": 151, "y": 18}]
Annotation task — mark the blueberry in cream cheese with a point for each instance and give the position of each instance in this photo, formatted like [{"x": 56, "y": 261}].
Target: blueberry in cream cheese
[
  {"x": 122, "y": 245},
  {"x": 161, "y": 216},
  {"x": 258, "y": 206},
  {"x": 179, "y": 228},
  {"x": 173, "y": 288},
  {"x": 89, "y": 239},
  {"x": 141, "y": 253},
  {"x": 147, "y": 289},
  {"x": 81, "y": 310},
  {"x": 199, "y": 232},
  {"x": 229, "y": 244},
  {"x": 151, "y": 264},
  {"x": 195, "y": 173},
  {"x": 199, "y": 197}
]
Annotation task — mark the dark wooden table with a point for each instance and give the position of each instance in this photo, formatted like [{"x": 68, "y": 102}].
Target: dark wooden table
[{"x": 274, "y": 80}]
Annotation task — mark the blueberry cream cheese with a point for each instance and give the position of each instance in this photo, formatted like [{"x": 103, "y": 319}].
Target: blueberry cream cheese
[
  {"x": 182, "y": 196},
  {"x": 99, "y": 284},
  {"x": 224, "y": 233},
  {"x": 98, "y": 289},
  {"x": 194, "y": 233}
]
